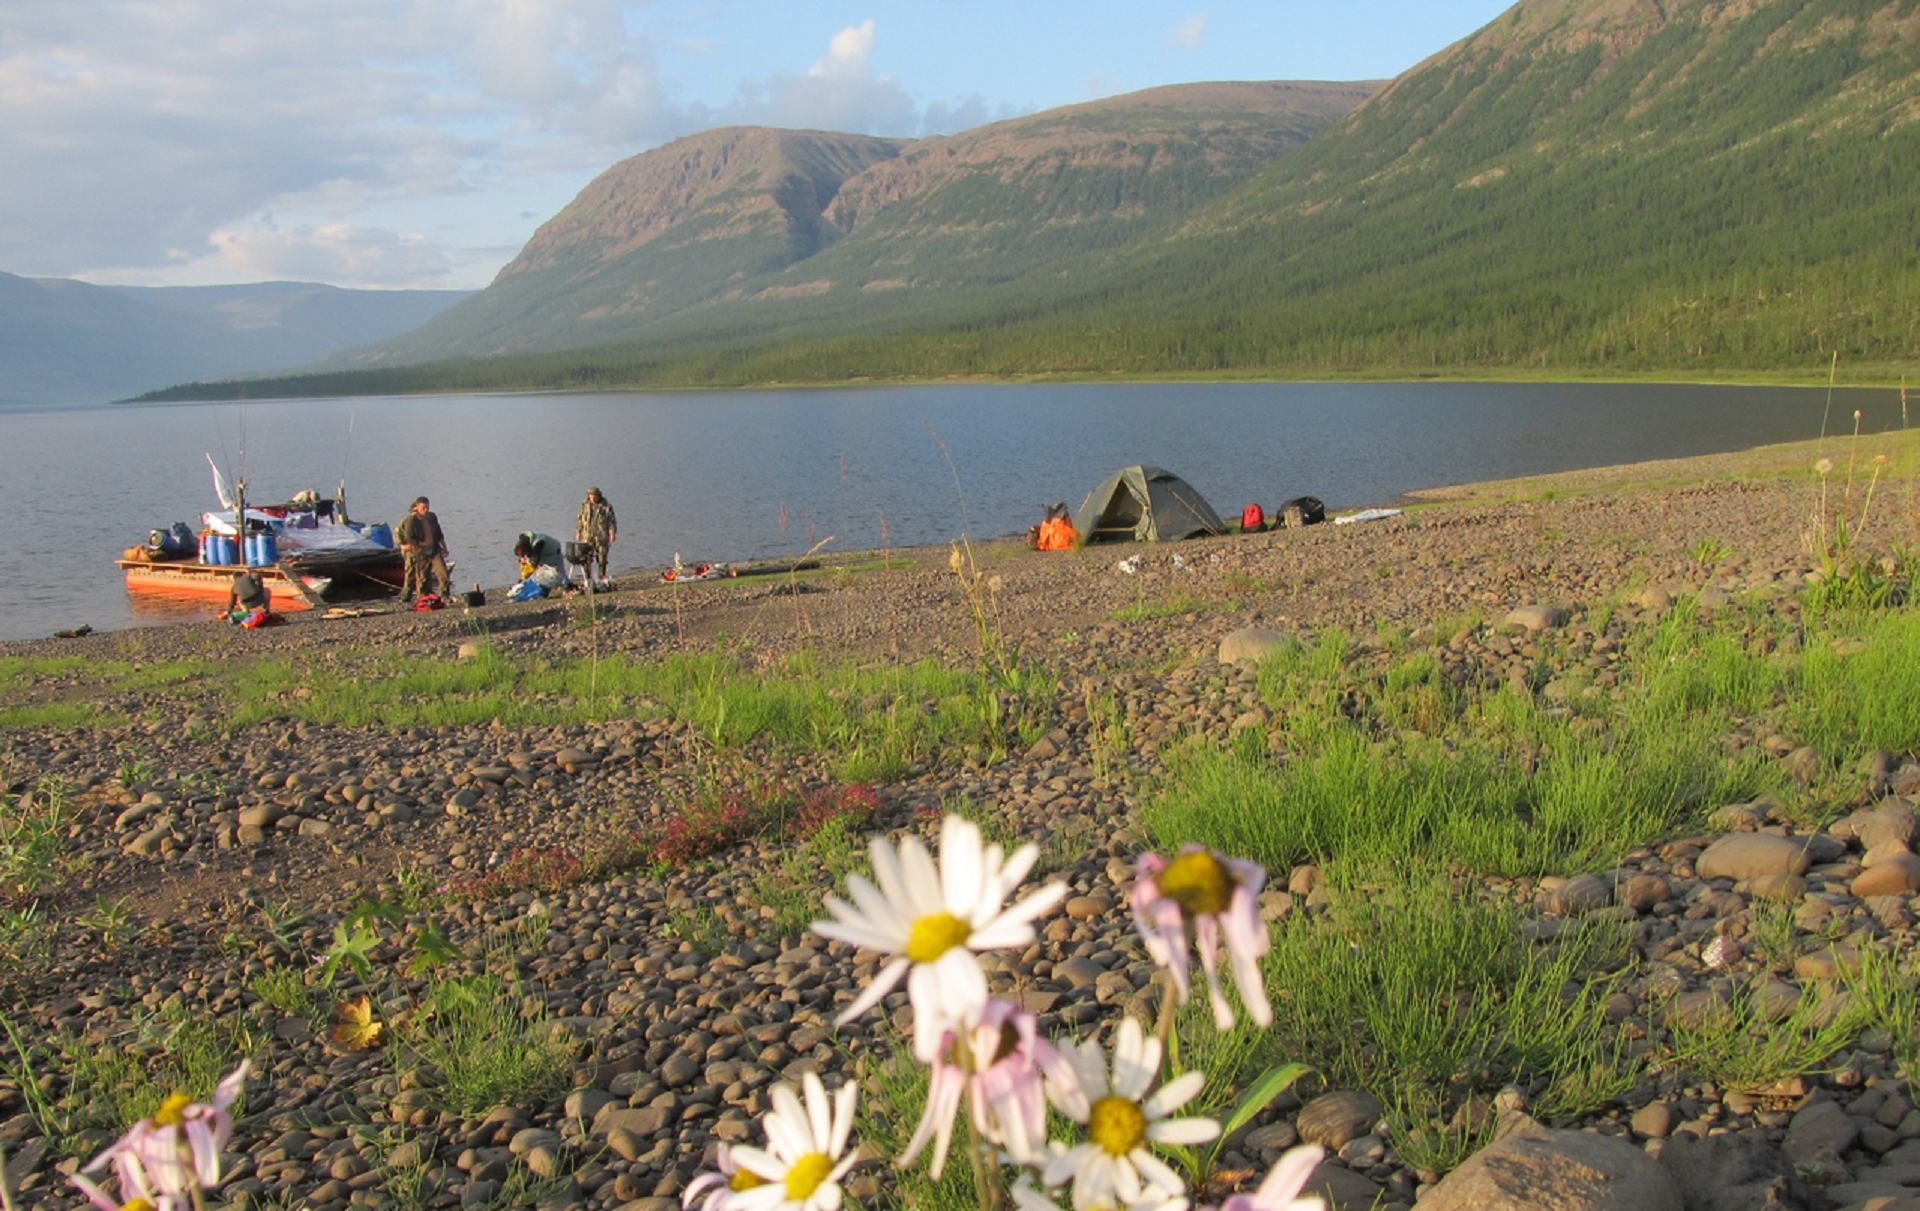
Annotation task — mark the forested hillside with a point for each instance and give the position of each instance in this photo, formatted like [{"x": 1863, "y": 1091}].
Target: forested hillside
[{"x": 1584, "y": 187}]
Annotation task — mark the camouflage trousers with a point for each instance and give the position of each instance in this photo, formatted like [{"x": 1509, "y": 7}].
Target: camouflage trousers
[{"x": 426, "y": 572}]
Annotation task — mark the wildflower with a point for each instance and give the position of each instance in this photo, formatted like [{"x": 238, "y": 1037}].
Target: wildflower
[
  {"x": 1114, "y": 1166},
  {"x": 801, "y": 1166},
  {"x": 1000, "y": 1070},
  {"x": 714, "y": 1191},
  {"x": 1281, "y": 1189},
  {"x": 1218, "y": 897},
  {"x": 933, "y": 919},
  {"x": 1152, "y": 1198},
  {"x": 1824, "y": 466},
  {"x": 162, "y": 1160}
]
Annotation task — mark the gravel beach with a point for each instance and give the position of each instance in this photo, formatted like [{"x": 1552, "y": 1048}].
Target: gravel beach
[{"x": 236, "y": 853}]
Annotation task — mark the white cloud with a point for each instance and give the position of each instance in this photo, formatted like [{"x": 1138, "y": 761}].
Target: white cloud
[
  {"x": 847, "y": 54},
  {"x": 331, "y": 254},
  {"x": 225, "y": 140},
  {"x": 143, "y": 138},
  {"x": 1192, "y": 32},
  {"x": 839, "y": 92}
]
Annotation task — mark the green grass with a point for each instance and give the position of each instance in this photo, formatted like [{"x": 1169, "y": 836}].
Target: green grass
[
  {"x": 1385, "y": 758},
  {"x": 1854, "y": 692},
  {"x": 1428, "y": 995},
  {"x": 1173, "y": 605},
  {"x": 876, "y": 722},
  {"x": 472, "y": 1047},
  {"x": 1740, "y": 1046},
  {"x": 32, "y": 839}
]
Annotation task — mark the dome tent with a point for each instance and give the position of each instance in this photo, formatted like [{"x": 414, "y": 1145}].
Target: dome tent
[{"x": 1145, "y": 503}]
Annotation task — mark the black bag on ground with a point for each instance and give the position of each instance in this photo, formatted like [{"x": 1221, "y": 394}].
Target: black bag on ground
[{"x": 1302, "y": 511}]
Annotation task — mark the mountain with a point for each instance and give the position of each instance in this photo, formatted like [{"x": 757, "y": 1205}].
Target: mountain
[
  {"x": 64, "y": 341},
  {"x": 848, "y": 225},
  {"x": 1583, "y": 187},
  {"x": 1600, "y": 184}
]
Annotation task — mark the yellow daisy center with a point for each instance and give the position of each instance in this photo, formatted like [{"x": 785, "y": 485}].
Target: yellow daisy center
[
  {"x": 1199, "y": 883},
  {"x": 935, "y": 935},
  {"x": 1117, "y": 1125},
  {"x": 169, "y": 1114},
  {"x": 806, "y": 1174},
  {"x": 744, "y": 1179},
  {"x": 138, "y": 1204}
]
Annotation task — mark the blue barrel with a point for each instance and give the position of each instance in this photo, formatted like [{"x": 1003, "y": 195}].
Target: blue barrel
[
  {"x": 223, "y": 552},
  {"x": 381, "y": 533},
  {"x": 252, "y": 544},
  {"x": 269, "y": 548}
]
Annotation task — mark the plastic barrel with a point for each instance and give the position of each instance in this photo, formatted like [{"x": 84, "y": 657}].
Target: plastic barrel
[
  {"x": 206, "y": 547},
  {"x": 269, "y": 548},
  {"x": 223, "y": 550}
]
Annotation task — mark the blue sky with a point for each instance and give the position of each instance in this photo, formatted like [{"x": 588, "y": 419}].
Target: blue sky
[{"x": 418, "y": 143}]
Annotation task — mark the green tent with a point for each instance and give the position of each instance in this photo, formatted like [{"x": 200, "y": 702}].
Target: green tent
[{"x": 1145, "y": 503}]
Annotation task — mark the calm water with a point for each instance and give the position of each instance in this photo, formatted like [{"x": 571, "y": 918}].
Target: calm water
[{"x": 751, "y": 475}]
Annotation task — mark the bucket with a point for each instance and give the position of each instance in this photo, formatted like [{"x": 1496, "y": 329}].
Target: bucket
[{"x": 380, "y": 532}]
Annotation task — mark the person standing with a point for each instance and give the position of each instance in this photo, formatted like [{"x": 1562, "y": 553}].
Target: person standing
[
  {"x": 597, "y": 529},
  {"x": 423, "y": 548}
]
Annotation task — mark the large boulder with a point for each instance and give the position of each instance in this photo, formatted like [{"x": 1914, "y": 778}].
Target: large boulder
[
  {"x": 1254, "y": 644},
  {"x": 1738, "y": 1171},
  {"x": 1535, "y": 1167}
]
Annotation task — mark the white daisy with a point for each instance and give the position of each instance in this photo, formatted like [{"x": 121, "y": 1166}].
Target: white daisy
[
  {"x": 1115, "y": 1166},
  {"x": 1152, "y": 1198},
  {"x": 801, "y": 1166},
  {"x": 933, "y": 919}
]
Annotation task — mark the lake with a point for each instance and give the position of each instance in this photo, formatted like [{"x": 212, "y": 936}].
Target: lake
[{"x": 745, "y": 475}]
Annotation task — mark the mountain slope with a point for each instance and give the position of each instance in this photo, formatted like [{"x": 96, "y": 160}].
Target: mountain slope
[
  {"x": 1583, "y": 187},
  {"x": 1621, "y": 183},
  {"x": 861, "y": 228},
  {"x": 64, "y": 341},
  {"x": 654, "y": 234}
]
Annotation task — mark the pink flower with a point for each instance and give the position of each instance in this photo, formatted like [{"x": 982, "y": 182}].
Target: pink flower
[
  {"x": 1001, "y": 1073},
  {"x": 1281, "y": 1189},
  {"x": 1218, "y": 898},
  {"x": 163, "y": 1159}
]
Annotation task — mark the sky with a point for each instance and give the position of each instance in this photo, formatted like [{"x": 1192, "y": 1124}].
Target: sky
[{"x": 419, "y": 143}]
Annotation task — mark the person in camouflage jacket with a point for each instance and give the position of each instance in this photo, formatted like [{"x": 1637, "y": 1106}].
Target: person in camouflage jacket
[{"x": 596, "y": 528}]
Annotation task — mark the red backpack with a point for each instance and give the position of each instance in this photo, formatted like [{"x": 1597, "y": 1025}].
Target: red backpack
[{"x": 1252, "y": 518}]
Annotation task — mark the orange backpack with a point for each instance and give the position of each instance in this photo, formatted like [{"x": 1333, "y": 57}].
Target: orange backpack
[{"x": 1057, "y": 534}]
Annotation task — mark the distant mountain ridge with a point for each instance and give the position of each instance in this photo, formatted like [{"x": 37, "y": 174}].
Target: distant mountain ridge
[
  {"x": 749, "y": 214},
  {"x": 63, "y": 341}
]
